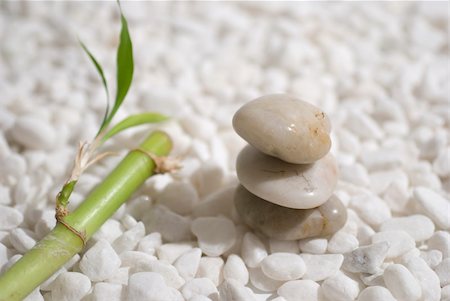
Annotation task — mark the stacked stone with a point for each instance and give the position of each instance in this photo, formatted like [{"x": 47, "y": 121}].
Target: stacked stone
[{"x": 286, "y": 172}]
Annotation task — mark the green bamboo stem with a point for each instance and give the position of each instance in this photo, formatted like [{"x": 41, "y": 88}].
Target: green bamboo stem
[{"x": 61, "y": 244}]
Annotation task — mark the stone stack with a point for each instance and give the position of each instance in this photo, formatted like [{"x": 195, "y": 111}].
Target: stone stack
[{"x": 286, "y": 172}]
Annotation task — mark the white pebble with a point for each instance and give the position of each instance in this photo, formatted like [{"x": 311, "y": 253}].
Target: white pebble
[
  {"x": 313, "y": 245},
  {"x": 136, "y": 261},
  {"x": 443, "y": 272},
  {"x": 150, "y": 243},
  {"x": 363, "y": 125},
  {"x": 432, "y": 257},
  {"x": 70, "y": 286},
  {"x": 167, "y": 271},
  {"x": 171, "y": 251},
  {"x": 129, "y": 239},
  {"x": 180, "y": 197},
  {"x": 199, "y": 286},
  {"x": 150, "y": 287},
  {"x": 441, "y": 164},
  {"x": 120, "y": 277},
  {"x": 187, "y": 264},
  {"x": 215, "y": 235},
  {"x": 371, "y": 209},
  {"x": 375, "y": 293},
  {"x": 235, "y": 269},
  {"x": 253, "y": 250},
  {"x": 340, "y": 288},
  {"x": 235, "y": 291},
  {"x": 402, "y": 283},
  {"x": 434, "y": 205},
  {"x": 20, "y": 240},
  {"x": 283, "y": 266},
  {"x": 320, "y": 267},
  {"x": 259, "y": 280},
  {"x": 440, "y": 241},
  {"x": 399, "y": 242},
  {"x": 10, "y": 218},
  {"x": 429, "y": 281},
  {"x": 418, "y": 226},
  {"x": 208, "y": 178},
  {"x": 366, "y": 259},
  {"x": 305, "y": 290},
  {"x": 445, "y": 293},
  {"x": 342, "y": 242},
  {"x": 173, "y": 227},
  {"x": 100, "y": 261},
  {"x": 107, "y": 291},
  {"x": 109, "y": 231},
  {"x": 217, "y": 203},
  {"x": 33, "y": 133},
  {"x": 212, "y": 268},
  {"x": 199, "y": 298}
]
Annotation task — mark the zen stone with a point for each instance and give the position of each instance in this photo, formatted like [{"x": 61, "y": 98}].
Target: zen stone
[
  {"x": 298, "y": 186},
  {"x": 286, "y": 223},
  {"x": 282, "y": 126}
]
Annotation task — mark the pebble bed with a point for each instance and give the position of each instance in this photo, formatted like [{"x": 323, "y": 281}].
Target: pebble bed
[{"x": 380, "y": 72}]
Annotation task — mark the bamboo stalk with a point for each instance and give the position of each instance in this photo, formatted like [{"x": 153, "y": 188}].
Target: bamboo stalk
[{"x": 55, "y": 249}]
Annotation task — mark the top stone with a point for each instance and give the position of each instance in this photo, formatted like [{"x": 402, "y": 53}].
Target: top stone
[{"x": 282, "y": 126}]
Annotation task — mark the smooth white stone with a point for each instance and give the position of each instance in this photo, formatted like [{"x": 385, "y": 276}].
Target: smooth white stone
[
  {"x": 432, "y": 257},
  {"x": 440, "y": 241},
  {"x": 290, "y": 185},
  {"x": 235, "y": 291},
  {"x": 441, "y": 164},
  {"x": 199, "y": 298},
  {"x": 167, "y": 271},
  {"x": 5, "y": 195},
  {"x": 187, "y": 264},
  {"x": 100, "y": 262},
  {"x": 209, "y": 177},
  {"x": 21, "y": 241},
  {"x": 70, "y": 286},
  {"x": 320, "y": 267},
  {"x": 363, "y": 125},
  {"x": 253, "y": 250},
  {"x": 443, "y": 272},
  {"x": 342, "y": 242},
  {"x": 200, "y": 286},
  {"x": 305, "y": 290},
  {"x": 283, "y": 266},
  {"x": 429, "y": 281},
  {"x": 375, "y": 293},
  {"x": 173, "y": 227},
  {"x": 128, "y": 221},
  {"x": 262, "y": 282},
  {"x": 107, "y": 291},
  {"x": 445, "y": 293},
  {"x": 399, "y": 242},
  {"x": 367, "y": 259},
  {"x": 121, "y": 276},
  {"x": 109, "y": 231},
  {"x": 235, "y": 269},
  {"x": 150, "y": 287},
  {"x": 12, "y": 168},
  {"x": 217, "y": 203},
  {"x": 180, "y": 197},
  {"x": 33, "y": 133},
  {"x": 9, "y": 218},
  {"x": 340, "y": 288},
  {"x": 355, "y": 174},
  {"x": 212, "y": 268},
  {"x": 282, "y": 126},
  {"x": 136, "y": 261},
  {"x": 215, "y": 235},
  {"x": 171, "y": 251},
  {"x": 434, "y": 206},
  {"x": 150, "y": 243},
  {"x": 313, "y": 245},
  {"x": 418, "y": 226},
  {"x": 129, "y": 239},
  {"x": 371, "y": 209},
  {"x": 402, "y": 283}
]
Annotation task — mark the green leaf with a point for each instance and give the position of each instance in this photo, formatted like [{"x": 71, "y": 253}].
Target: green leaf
[
  {"x": 134, "y": 120},
  {"x": 102, "y": 76},
  {"x": 125, "y": 66}
]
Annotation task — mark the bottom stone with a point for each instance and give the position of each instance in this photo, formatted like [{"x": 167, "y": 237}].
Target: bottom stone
[{"x": 286, "y": 223}]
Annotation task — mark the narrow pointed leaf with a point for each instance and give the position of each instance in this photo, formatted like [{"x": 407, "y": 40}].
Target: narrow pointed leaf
[
  {"x": 105, "y": 84},
  {"x": 134, "y": 120},
  {"x": 125, "y": 67}
]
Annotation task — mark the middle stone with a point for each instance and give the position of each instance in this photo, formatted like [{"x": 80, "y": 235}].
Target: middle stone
[{"x": 298, "y": 186}]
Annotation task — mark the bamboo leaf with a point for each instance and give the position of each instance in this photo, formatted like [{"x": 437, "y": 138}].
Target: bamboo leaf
[
  {"x": 132, "y": 121},
  {"x": 125, "y": 66},
  {"x": 102, "y": 76}
]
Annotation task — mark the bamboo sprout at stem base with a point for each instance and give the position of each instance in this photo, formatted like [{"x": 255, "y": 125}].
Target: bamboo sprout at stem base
[{"x": 61, "y": 244}]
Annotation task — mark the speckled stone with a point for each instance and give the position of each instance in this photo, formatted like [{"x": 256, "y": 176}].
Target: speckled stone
[
  {"x": 298, "y": 186},
  {"x": 286, "y": 223},
  {"x": 282, "y": 126}
]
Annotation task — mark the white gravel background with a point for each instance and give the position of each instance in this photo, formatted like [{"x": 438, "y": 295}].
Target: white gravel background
[{"x": 381, "y": 72}]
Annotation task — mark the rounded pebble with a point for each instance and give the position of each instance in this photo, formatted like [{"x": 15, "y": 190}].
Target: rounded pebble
[
  {"x": 320, "y": 267},
  {"x": 235, "y": 269},
  {"x": 418, "y": 226},
  {"x": 216, "y": 235},
  {"x": 402, "y": 283},
  {"x": 290, "y": 185},
  {"x": 70, "y": 286},
  {"x": 375, "y": 293},
  {"x": 100, "y": 262},
  {"x": 434, "y": 206},
  {"x": 284, "y": 127},
  {"x": 9, "y": 218},
  {"x": 253, "y": 250},
  {"x": 283, "y": 266},
  {"x": 33, "y": 133},
  {"x": 305, "y": 290},
  {"x": 340, "y": 288},
  {"x": 399, "y": 242}
]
